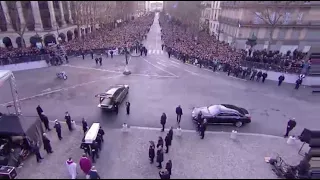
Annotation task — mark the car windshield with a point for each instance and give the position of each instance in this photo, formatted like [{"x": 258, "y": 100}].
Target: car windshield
[
  {"x": 105, "y": 101},
  {"x": 213, "y": 109}
]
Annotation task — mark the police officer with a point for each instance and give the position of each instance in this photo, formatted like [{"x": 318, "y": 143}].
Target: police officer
[
  {"x": 57, "y": 126},
  {"x": 298, "y": 83},
  {"x": 160, "y": 156},
  {"x": 203, "y": 128},
  {"x": 36, "y": 151},
  {"x": 85, "y": 147},
  {"x": 101, "y": 133},
  {"x": 68, "y": 120},
  {"x": 100, "y": 61},
  {"x": 128, "y": 107},
  {"x": 96, "y": 59}
]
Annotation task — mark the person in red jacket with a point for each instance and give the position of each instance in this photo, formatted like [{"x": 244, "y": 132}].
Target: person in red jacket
[{"x": 85, "y": 164}]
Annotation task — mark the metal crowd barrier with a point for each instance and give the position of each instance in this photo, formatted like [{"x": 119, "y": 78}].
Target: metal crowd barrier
[{"x": 23, "y": 59}]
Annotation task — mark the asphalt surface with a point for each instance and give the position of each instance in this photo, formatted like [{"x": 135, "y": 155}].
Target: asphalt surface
[
  {"x": 159, "y": 84},
  {"x": 125, "y": 155}
]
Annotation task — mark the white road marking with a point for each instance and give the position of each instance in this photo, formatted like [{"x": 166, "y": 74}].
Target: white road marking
[
  {"x": 49, "y": 89},
  {"x": 193, "y": 73},
  {"x": 175, "y": 62},
  {"x": 154, "y": 51},
  {"x": 237, "y": 78},
  {"x": 160, "y": 68},
  {"x": 149, "y": 51},
  {"x": 209, "y": 132},
  {"x": 162, "y": 64},
  {"x": 62, "y": 89},
  {"x": 158, "y": 51}
]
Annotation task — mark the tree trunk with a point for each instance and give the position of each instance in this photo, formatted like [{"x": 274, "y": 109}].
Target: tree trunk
[{"x": 270, "y": 38}]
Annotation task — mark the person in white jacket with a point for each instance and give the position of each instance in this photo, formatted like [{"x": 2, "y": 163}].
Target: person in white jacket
[{"x": 72, "y": 168}]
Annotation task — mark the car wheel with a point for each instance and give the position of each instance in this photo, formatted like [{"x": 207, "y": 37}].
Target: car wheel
[{"x": 238, "y": 124}]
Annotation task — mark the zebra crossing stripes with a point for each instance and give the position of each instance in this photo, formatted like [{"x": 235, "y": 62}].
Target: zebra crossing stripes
[{"x": 155, "y": 51}]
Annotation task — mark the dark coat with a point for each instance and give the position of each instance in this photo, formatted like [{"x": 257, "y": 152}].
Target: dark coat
[
  {"x": 57, "y": 126},
  {"x": 164, "y": 175},
  {"x": 169, "y": 166},
  {"x": 264, "y": 75},
  {"x": 170, "y": 134},
  {"x": 168, "y": 140},
  {"x": 39, "y": 110},
  {"x": 84, "y": 125},
  {"x": 281, "y": 78},
  {"x": 292, "y": 124},
  {"x": 46, "y": 143},
  {"x": 159, "y": 155},
  {"x": 68, "y": 119},
  {"x": 163, "y": 119},
  {"x": 152, "y": 152},
  {"x": 179, "y": 111},
  {"x": 160, "y": 143},
  {"x": 44, "y": 119},
  {"x": 101, "y": 132},
  {"x": 94, "y": 174},
  {"x": 259, "y": 74}
]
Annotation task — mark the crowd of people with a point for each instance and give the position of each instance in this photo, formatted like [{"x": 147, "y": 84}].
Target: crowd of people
[
  {"x": 187, "y": 45},
  {"x": 104, "y": 38}
]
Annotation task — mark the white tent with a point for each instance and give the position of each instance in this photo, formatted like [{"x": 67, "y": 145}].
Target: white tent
[
  {"x": 4, "y": 75},
  {"x": 7, "y": 75}
]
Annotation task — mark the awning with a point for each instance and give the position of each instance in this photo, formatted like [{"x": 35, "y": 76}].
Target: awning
[{"x": 4, "y": 75}]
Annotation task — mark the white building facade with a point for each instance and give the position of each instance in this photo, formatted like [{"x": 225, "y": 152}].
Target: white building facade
[{"x": 210, "y": 15}]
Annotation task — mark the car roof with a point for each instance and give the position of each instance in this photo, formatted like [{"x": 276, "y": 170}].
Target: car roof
[
  {"x": 112, "y": 90},
  {"x": 236, "y": 108}
]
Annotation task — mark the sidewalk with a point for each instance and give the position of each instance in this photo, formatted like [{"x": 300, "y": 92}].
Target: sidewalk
[{"x": 125, "y": 155}]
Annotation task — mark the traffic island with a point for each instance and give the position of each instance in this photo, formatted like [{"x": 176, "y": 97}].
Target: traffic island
[{"x": 126, "y": 71}]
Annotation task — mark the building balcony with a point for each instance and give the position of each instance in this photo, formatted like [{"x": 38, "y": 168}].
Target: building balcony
[{"x": 252, "y": 24}]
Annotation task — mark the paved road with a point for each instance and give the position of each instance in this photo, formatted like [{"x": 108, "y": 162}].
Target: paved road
[
  {"x": 158, "y": 84},
  {"x": 125, "y": 155}
]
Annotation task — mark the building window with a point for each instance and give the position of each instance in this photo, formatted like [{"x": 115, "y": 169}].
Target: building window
[
  {"x": 299, "y": 18},
  {"x": 257, "y": 19},
  {"x": 287, "y": 18}
]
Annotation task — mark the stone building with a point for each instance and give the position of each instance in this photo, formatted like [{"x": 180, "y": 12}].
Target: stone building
[
  {"x": 209, "y": 16},
  {"x": 298, "y": 27},
  {"x": 53, "y": 21}
]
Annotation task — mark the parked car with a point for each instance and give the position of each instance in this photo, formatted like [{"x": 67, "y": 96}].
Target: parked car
[
  {"x": 114, "y": 95},
  {"x": 223, "y": 114}
]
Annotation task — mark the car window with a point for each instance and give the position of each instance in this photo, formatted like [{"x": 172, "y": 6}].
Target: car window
[
  {"x": 223, "y": 114},
  {"x": 118, "y": 91}
]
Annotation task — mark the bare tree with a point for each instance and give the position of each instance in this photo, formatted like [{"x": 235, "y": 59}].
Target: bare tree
[
  {"x": 15, "y": 8},
  {"x": 273, "y": 13}
]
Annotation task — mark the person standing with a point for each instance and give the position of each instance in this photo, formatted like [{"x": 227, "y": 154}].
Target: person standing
[
  {"x": 82, "y": 53},
  {"x": 164, "y": 174},
  {"x": 93, "y": 174},
  {"x": 169, "y": 166},
  {"x": 116, "y": 107},
  {"x": 160, "y": 156},
  {"x": 91, "y": 52},
  {"x": 298, "y": 83},
  {"x": 57, "y": 126},
  {"x": 145, "y": 51},
  {"x": 160, "y": 142},
  {"x": 101, "y": 133},
  {"x": 46, "y": 144},
  {"x": 179, "y": 114},
  {"x": 264, "y": 76},
  {"x": 162, "y": 46},
  {"x": 151, "y": 151},
  {"x": 202, "y": 129},
  {"x": 167, "y": 140},
  {"x": 128, "y": 107},
  {"x": 94, "y": 151},
  {"x": 111, "y": 53},
  {"x": 169, "y": 53},
  {"x": 36, "y": 151},
  {"x": 67, "y": 117},
  {"x": 100, "y": 61},
  {"x": 84, "y": 126},
  {"x": 67, "y": 60},
  {"x": 259, "y": 76},
  {"x": 281, "y": 79},
  {"x": 85, "y": 164},
  {"x": 39, "y": 110},
  {"x": 170, "y": 133},
  {"x": 72, "y": 168},
  {"x": 291, "y": 124},
  {"x": 163, "y": 121},
  {"x": 45, "y": 121},
  {"x": 96, "y": 59},
  {"x": 199, "y": 120}
]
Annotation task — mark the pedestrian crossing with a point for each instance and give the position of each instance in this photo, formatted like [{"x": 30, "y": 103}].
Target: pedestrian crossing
[{"x": 155, "y": 51}]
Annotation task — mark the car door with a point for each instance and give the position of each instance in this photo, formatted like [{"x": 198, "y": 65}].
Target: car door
[
  {"x": 121, "y": 94},
  {"x": 221, "y": 118}
]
